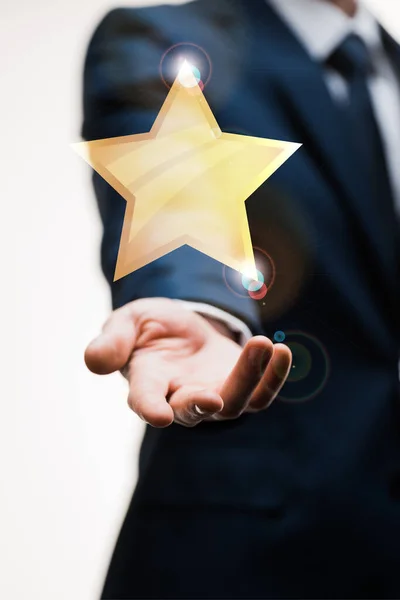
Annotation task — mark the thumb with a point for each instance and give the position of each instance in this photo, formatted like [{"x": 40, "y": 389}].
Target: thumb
[{"x": 110, "y": 351}]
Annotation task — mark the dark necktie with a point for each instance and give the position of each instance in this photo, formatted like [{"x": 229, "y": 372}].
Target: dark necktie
[{"x": 352, "y": 60}]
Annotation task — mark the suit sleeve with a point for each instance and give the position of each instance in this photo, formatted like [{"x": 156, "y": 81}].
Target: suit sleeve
[{"x": 123, "y": 92}]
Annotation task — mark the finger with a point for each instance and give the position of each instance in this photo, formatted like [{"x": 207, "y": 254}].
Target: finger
[
  {"x": 111, "y": 350},
  {"x": 148, "y": 388},
  {"x": 193, "y": 404},
  {"x": 273, "y": 379},
  {"x": 245, "y": 376}
]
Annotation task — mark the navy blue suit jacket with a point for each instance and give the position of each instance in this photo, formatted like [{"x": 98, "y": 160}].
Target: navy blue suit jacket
[{"x": 302, "y": 500}]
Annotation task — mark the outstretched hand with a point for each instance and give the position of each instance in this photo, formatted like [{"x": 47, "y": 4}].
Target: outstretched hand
[{"x": 181, "y": 369}]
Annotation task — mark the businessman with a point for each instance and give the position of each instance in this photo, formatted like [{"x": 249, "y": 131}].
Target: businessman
[{"x": 239, "y": 496}]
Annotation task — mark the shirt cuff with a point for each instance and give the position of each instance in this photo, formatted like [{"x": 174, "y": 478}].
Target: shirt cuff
[{"x": 233, "y": 323}]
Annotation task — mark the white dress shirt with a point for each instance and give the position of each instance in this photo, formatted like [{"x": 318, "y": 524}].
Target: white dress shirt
[{"x": 321, "y": 27}]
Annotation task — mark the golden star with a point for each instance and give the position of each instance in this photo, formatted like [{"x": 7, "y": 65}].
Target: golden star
[{"x": 185, "y": 182}]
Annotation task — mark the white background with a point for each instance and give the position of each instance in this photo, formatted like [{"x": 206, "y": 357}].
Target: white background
[{"x": 68, "y": 442}]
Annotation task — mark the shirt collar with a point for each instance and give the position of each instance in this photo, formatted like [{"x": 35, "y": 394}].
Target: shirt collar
[{"x": 321, "y": 26}]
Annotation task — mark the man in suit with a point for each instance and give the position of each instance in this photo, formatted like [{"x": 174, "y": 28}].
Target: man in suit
[{"x": 301, "y": 500}]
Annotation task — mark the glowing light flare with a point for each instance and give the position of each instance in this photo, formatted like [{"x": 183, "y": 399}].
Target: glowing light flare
[
  {"x": 250, "y": 275},
  {"x": 194, "y": 54},
  {"x": 259, "y": 294},
  {"x": 310, "y": 368},
  {"x": 279, "y": 336},
  {"x": 188, "y": 75},
  {"x": 251, "y": 284},
  {"x": 247, "y": 282}
]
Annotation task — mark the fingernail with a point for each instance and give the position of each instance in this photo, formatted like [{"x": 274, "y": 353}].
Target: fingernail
[{"x": 207, "y": 413}]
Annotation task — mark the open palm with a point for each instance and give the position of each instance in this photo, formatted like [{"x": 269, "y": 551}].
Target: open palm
[{"x": 180, "y": 368}]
